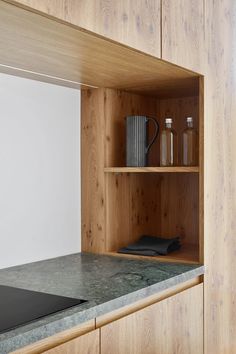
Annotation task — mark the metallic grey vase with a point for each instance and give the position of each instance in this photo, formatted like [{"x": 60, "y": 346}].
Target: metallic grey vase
[{"x": 137, "y": 146}]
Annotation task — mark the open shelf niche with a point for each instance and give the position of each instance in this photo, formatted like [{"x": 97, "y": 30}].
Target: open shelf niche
[
  {"x": 118, "y": 204},
  {"x": 153, "y": 200}
]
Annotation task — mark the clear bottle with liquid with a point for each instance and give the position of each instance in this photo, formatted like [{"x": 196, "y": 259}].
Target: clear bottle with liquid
[
  {"x": 189, "y": 153},
  {"x": 168, "y": 146}
]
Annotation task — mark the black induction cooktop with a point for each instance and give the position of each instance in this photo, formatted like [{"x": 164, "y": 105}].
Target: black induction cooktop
[{"x": 19, "y": 306}]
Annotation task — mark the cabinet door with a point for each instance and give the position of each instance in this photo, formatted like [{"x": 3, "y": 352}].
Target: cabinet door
[
  {"x": 86, "y": 344},
  {"x": 183, "y": 33},
  {"x": 174, "y": 325},
  {"x": 135, "y": 23}
]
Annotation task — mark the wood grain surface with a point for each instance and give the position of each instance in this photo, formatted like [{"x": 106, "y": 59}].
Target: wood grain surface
[
  {"x": 175, "y": 169},
  {"x": 73, "y": 56},
  {"x": 92, "y": 177},
  {"x": 174, "y": 325},
  {"x": 220, "y": 177},
  {"x": 86, "y": 344},
  {"x": 133, "y": 22},
  {"x": 183, "y": 33},
  {"x": 188, "y": 254},
  {"x": 120, "y": 207}
]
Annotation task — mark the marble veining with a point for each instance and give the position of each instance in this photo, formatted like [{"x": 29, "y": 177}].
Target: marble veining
[{"x": 107, "y": 282}]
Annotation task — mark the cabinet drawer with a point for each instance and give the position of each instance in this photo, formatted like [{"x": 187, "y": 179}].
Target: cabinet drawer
[
  {"x": 174, "y": 325},
  {"x": 86, "y": 344}
]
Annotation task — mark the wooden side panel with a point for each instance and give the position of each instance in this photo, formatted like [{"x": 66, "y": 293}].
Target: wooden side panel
[
  {"x": 92, "y": 164},
  {"x": 86, "y": 344},
  {"x": 174, "y": 325},
  {"x": 201, "y": 169},
  {"x": 220, "y": 177},
  {"x": 183, "y": 33},
  {"x": 135, "y": 23}
]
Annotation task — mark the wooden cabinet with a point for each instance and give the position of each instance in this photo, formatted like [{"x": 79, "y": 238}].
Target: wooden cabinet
[
  {"x": 86, "y": 344},
  {"x": 220, "y": 179},
  {"x": 135, "y": 23},
  {"x": 174, "y": 325},
  {"x": 171, "y": 29},
  {"x": 124, "y": 203},
  {"x": 183, "y": 33}
]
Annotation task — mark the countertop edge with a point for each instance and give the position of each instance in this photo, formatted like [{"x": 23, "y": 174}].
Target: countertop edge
[{"x": 44, "y": 331}]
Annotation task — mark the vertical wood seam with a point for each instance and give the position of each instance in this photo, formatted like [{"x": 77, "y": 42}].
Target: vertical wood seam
[
  {"x": 203, "y": 315},
  {"x": 161, "y": 26},
  {"x": 105, "y": 164}
]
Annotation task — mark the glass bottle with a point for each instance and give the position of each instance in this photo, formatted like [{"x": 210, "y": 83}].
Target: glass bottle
[
  {"x": 168, "y": 147},
  {"x": 189, "y": 154}
]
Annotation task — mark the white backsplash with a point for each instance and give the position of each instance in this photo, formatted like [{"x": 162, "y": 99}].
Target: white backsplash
[{"x": 40, "y": 171}]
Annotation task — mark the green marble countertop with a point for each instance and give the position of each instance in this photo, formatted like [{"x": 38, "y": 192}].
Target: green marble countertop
[{"x": 107, "y": 282}]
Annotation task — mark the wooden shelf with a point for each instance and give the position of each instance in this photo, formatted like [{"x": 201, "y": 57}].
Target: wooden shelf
[
  {"x": 177, "y": 169},
  {"x": 188, "y": 254}
]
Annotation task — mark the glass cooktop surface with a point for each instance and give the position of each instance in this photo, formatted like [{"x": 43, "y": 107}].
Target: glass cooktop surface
[{"x": 20, "y": 306}]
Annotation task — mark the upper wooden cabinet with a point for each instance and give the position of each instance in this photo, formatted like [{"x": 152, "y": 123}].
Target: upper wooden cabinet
[
  {"x": 135, "y": 23},
  {"x": 171, "y": 29},
  {"x": 183, "y": 33}
]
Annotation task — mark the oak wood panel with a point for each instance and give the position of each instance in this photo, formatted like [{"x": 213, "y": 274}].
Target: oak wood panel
[
  {"x": 41, "y": 45},
  {"x": 166, "y": 205},
  {"x": 133, "y": 22},
  {"x": 220, "y": 177},
  {"x": 86, "y": 344},
  {"x": 187, "y": 254},
  {"x": 176, "y": 169},
  {"x": 174, "y": 325},
  {"x": 120, "y": 207},
  {"x": 92, "y": 163},
  {"x": 150, "y": 300},
  {"x": 133, "y": 208},
  {"x": 183, "y": 33},
  {"x": 201, "y": 168},
  {"x": 57, "y": 339},
  {"x": 180, "y": 207}
]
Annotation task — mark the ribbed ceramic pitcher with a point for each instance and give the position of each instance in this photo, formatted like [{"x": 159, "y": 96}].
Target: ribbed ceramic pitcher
[{"x": 137, "y": 146}]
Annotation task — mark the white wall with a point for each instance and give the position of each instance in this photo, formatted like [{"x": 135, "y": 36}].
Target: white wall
[{"x": 39, "y": 171}]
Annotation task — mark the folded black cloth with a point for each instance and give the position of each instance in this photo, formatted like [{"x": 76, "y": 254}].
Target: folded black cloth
[{"x": 152, "y": 246}]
